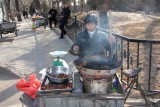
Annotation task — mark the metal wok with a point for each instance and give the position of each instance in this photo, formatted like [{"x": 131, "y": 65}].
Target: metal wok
[
  {"x": 97, "y": 67},
  {"x": 98, "y": 62}
]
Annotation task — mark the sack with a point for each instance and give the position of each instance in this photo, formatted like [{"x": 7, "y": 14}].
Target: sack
[{"x": 29, "y": 86}]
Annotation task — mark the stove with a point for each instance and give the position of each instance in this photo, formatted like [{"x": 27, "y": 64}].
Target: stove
[{"x": 98, "y": 73}]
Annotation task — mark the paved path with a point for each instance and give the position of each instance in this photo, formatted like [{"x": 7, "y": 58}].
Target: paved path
[{"x": 27, "y": 53}]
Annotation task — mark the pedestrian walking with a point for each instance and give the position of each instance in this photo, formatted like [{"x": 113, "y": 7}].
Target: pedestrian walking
[
  {"x": 52, "y": 17},
  {"x": 65, "y": 14}
]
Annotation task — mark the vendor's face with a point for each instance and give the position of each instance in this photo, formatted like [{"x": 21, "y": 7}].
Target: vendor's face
[{"x": 90, "y": 26}]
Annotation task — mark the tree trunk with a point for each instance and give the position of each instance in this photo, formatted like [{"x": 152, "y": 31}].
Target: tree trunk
[
  {"x": 75, "y": 7},
  {"x": 58, "y": 7},
  {"x": 6, "y": 10},
  {"x": 103, "y": 8},
  {"x": 37, "y": 5},
  {"x": 53, "y": 4},
  {"x": 21, "y": 3},
  {"x": 3, "y": 11},
  {"x": 82, "y": 5},
  {"x": 18, "y": 11},
  {"x": 10, "y": 11},
  {"x": 49, "y": 4}
]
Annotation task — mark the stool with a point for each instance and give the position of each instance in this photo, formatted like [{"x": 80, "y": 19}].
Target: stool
[{"x": 133, "y": 73}]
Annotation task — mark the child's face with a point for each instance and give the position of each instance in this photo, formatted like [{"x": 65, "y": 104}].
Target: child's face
[{"x": 90, "y": 26}]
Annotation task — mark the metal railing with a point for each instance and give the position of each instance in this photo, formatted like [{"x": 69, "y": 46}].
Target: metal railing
[{"x": 123, "y": 51}]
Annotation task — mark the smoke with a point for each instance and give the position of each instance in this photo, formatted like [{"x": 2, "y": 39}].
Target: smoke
[{"x": 103, "y": 20}]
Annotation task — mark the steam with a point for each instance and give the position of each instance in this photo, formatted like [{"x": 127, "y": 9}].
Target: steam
[
  {"x": 110, "y": 22},
  {"x": 103, "y": 20},
  {"x": 149, "y": 6}
]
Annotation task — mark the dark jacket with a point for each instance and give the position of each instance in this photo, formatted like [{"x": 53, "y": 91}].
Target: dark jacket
[
  {"x": 53, "y": 13},
  {"x": 66, "y": 14},
  {"x": 97, "y": 45}
]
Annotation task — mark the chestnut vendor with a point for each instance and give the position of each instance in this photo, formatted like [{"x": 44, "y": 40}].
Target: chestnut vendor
[{"x": 91, "y": 41}]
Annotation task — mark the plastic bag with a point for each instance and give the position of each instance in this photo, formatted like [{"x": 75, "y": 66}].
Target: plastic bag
[
  {"x": 29, "y": 86},
  {"x": 43, "y": 73}
]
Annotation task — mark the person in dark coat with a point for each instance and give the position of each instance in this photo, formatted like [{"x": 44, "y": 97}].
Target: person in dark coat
[
  {"x": 64, "y": 19},
  {"x": 25, "y": 14},
  {"x": 52, "y": 17},
  {"x": 91, "y": 41}
]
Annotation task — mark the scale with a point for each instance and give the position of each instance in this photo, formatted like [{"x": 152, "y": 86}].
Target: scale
[{"x": 57, "y": 57}]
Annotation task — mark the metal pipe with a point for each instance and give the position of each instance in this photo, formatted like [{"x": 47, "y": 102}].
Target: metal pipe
[
  {"x": 137, "y": 60},
  {"x": 121, "y": 56},
  {"x": 128, "y": 53},
  {"x": 138, "y": 54},
  {"x": 150, "y": 62},
  {"x": 116, "y": 46}
]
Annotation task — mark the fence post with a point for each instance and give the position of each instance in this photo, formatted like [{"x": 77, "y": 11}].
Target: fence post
[
  {"x": 116, "y": 46},
  {"x": 122, "y": 57},
  {"x": 137, "y": 60},
  {"x": 128, "y": 54},
  {"x": 150, "y": 62},
  {"x": 138, "y": 54}
]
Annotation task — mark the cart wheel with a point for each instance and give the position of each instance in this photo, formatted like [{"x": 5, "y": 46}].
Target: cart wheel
[
  {"x": 44, "y": 24},
  {"x": 16, "y": 32}
]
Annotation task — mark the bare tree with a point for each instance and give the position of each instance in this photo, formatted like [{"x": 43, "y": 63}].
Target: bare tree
[
  {"x": 6, "y": 10},
  {"x": 75, "y": 7},
  {"x": 10, "y": 11},
  {"x": 82, "y": 2},
  {"x": 24, "y": 4},
  {"x": 49, "y": 3},
  {"x": 37, "y": 5},
  {"x": 58, "y": 6},
  {"x": 18, "y": 10}
]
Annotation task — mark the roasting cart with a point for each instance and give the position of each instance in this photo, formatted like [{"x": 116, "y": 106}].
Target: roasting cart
[
  {"x": 8, "y": 27},
  {"x": 39, "y": 21},
  {"x": 75, "y": 93}
]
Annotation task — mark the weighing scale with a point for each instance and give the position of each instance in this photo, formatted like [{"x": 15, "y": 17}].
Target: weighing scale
[{"x": 58, "y": 55}]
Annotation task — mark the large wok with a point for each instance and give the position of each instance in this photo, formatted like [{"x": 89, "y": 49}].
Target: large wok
[{"x": 97, "y": 67}]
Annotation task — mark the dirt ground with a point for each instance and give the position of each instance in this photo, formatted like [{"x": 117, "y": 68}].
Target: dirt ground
[
  {"x": 141, "y": 26},
  {"x": 137, "y": 25}
]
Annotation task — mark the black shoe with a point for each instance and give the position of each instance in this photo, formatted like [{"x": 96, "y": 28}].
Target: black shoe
[{"x": 61, "y": 37}]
